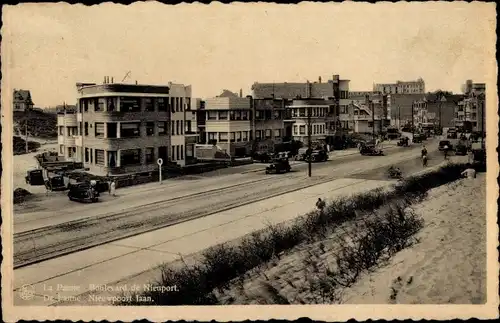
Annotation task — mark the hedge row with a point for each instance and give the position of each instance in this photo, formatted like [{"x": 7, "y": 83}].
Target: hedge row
[{"x": 222, "y": 263}]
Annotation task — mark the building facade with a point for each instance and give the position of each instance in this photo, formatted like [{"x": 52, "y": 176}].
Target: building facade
[
  {"x": 22, "y": 101},
  {"x": 124, "y": 129},
  {"x": 313, "y": 115},
  {"x": 227, "y": 124},
  {"x": 470, "y": 113},
  {"x": 368, "y": 112},
  {"x": 401, "y": 87}
]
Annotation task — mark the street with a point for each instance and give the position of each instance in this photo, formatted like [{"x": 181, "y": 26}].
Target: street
[{"x": 177, "y": 206}]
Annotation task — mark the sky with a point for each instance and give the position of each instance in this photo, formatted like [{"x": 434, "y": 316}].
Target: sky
[{"x": 47, "y": 48}]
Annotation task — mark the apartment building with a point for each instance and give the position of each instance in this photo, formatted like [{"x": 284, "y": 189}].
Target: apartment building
[
  {"x": 401, "y": 87},
  {"x": 227, "y": 124},
  {"x": 22, "y": 100},
  {"x": 313, "y": 114},
  {"x": 470, "y": 112},
  {"x": 268, "y": 122},
  {"x": 441, "y": 108},
  {"x": 125, "y": 128},
  {"x": 367, "y": 110}
]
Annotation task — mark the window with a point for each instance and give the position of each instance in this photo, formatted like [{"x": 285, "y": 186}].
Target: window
[
  {"x": 223, "y": 136},
  {"x": 188, "y": 103},
  {"x": 128, "y": 104},
  {"x": 245, "y": 136},
  {"x": 80, "y": 128},
  {"x": 111, "y": 102},
  {"x": 86, "y": 128},
  {"x": 277, "y": 133},
  {"x": 258, "y": 134},
  {"x": 162, "y": 128},
  {"x": 182, "y": 152},
  {"x": 112, "y": 158},
  {"x": 172, "y": 132},
  {"x": 177, "y": 151},
  {"x": 173, "y": 152},
  {"x": 85, "y": 104},
  {"x": 232, "y": 115},
  {"x": 212, "y": 135},
  {"x": 237, "y": 115},
  {"x": 91, "y": 155},
  {"x": 296, "y": 129},
  {"x": 100, "y": 104},
  {"x": 302, "y": 112},
  {"x": 149, "y": 105},
  {"x": 131, "y": 129},
  {"x": 181, "y": 104},
  {"x": 111, "y": 130},
  {"x": 130, "y": 157},
  {"x": 172, "y": 105},
  {"x": 150, "y": 128},
  {"x": 182, "y": 127},
  {"x": 212, "y": 115},
  {"x": 61, "y": 149},
  {"x": 268, "y": 133},
  {"x": 61, "y": 131},
  {"x": 223, "y": 115},
  {"x": 99, "y": 157},
  {"x": 238, "y": 136},
  {"x": 177, "y": 107},
  {"x": 177, "y": 125},
  {"x": 163, "y": 153},
  {"x": 150, "y": 155},
  {"x": 162, "y": 104},
  {"x": 87, "y": 155},
  {"x": 70, "y": 152},
  {"x": 244, "y": 115},
  {"x": 188, "y": 127},
  {"x": 232, "y": 136},
  {"x": 302, "y": 130},
  {"x": 99, "y": 130}
]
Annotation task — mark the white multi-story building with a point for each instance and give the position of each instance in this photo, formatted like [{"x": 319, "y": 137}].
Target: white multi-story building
[
  {"x": 401, "y": 87},
  {"x": 310, "y": 114},
  {"x": 125, "y": 128},
  {"x": 471, "y": 111},
  {"x": 228, "y": 124}
]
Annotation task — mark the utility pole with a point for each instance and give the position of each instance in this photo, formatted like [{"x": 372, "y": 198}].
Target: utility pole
[
  {"x": 309, "y": 145},
  {"x": 26, "y": 131},
  {"x": 373, "y": 117},
  {"x": 412, "y": 120},
  {"x": 483, "y": 133}
]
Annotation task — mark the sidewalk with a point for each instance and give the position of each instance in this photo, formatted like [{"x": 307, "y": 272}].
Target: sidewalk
[{"x": 125, "y": 259}]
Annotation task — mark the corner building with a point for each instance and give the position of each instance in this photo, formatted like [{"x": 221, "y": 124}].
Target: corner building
[{"x": 124, "y": 129}]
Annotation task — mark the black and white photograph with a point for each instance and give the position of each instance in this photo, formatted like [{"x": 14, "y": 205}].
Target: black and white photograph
[{"x": 167, "y": 161}]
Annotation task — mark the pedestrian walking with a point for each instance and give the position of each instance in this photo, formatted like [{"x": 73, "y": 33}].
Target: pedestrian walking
[
  {"x": 112, "y": 188},
  {"x": 320, "y": 205},
  {"x": 445, "y": 150}
]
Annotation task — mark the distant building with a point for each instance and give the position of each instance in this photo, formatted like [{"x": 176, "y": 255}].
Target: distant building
[
  {"x": 22, "y": 100},
  {"x": 470, "y": 113},
  {"x": 401, "y": 87},
  {"x": 367, "y": 110},
  {"x": 227, "y": 124},
  {"x": 443, "y": 106},
  {"x": 124, "y": 128}
]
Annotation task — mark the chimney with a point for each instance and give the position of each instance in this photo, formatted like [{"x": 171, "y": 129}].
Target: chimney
[
  {"x": 112, "y": 80},
  {"x": 241, "y": 93},
  {"x": 319, "y": 79},
  {"x": 135, "y": 82},
  {"x": 308, "y": 93},
  {"x": 104, "y": 82}
]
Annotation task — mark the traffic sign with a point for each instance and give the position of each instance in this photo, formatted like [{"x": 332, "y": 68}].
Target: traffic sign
[{"x": 159, "y": 161}]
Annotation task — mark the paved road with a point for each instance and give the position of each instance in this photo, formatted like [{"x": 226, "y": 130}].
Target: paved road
[{"x": 49, "y": 236}]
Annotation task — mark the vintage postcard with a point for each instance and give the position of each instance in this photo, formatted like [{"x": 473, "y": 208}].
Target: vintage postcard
[{"x": 249, "y": 161}]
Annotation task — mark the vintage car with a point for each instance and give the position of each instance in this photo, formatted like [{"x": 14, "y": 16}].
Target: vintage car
[
  {"x": 83, "y": 192},
  {"x": 319, "y": 155},
  {"x": 461, "y": 149},
  {"x": 418, "y": 138},
  {"x": 302, "y": 154},
  {"x": 403, "y": 142},
  {"x": 278, "y": 166},
  {"x": 370, "y": 150},
  {"x": 443, "y": 143},
  {"x": 35, "y": 177},
  {"x": 55, "y": 183}
]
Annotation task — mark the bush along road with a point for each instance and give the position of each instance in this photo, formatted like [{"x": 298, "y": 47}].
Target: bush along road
[{"x": 375, "y": 236}]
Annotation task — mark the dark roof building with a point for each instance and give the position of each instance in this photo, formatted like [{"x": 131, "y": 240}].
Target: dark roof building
[{"x": 22, "y": 100}]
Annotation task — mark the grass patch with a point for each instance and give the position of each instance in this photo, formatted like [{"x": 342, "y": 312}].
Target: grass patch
[{"x": 373, "y": 239}]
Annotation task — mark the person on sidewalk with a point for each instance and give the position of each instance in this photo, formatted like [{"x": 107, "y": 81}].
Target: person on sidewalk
[
  {"x": 320, "y": 205},
  {"x": 112, "y": 188},
  {"x": 469, "y": 172},
  {"x": 445, "y": 150}
]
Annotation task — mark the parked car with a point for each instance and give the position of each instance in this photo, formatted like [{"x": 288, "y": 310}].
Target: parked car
[
  {"x": 370, "y": 150},
  {"x": 443, "y": 143},
  {"x": 34, "y": 177},
  {"x": 417, "y": 138},
  {"x": 278, "y": 167},
  {"x": 461, "y": 149},
  {"x": 55, "y": 183},
  {"x": 83, "y": 192},
  {"x": 319, "y": 155},
  {"x": 302, "y": 154},
  {"x": 451, "y": 134},
  {"x": 403, "y": 142}
]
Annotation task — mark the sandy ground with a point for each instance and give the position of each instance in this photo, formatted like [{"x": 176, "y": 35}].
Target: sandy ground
[{"x": 448, "y": 265}]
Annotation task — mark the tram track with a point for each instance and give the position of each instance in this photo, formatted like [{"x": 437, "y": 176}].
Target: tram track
[{"x": 53, "y": 241}]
